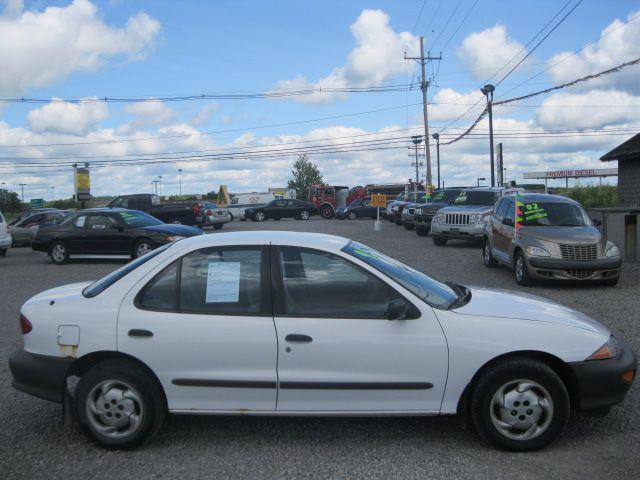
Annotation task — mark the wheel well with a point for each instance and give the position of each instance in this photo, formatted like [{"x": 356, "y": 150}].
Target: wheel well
[
  {"x": 86, "y": 362},
  {"x": 326, "y": 204},
  {"x": 556, "y": 364}
]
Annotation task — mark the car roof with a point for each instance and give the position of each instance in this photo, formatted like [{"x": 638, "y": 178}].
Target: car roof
[
  {"x": 545, "y": 198},
  {"x": 106, "y": 209},
  {"x": 322, "y": 241}
]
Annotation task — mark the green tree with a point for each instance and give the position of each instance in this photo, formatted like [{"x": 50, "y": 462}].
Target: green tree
[
  {"x": 305, "y": 173},
  {"x": 594, "y": 196},
  {"x": 9, "y": 201}
]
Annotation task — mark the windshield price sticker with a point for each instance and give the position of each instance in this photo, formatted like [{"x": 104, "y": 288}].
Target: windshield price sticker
[
  {"x": 439, "y": 196},
  {"x": 532, "y": 211},
  {"x": 223, "y": 282},
  {"x": 462, "y": 197}
]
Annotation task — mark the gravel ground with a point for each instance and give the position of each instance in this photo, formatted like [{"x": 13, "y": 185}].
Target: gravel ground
[{"x": 34, "y": 444}]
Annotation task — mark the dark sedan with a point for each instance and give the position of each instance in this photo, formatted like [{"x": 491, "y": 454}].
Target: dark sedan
[
  {"x": 282, "y": 208},
  {"x": 360, "y": 208},
  {"x": 107, "y": 231}
]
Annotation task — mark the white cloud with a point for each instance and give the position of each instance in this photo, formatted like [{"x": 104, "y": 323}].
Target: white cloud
[
  {"x": 205, "y": 114},
  {"x": 41, "y": 48},
  {"x": 619, "y": 42},
  {"x": 484, "y": 52},
  {"x": 150, "y": 113},
  {"x": 449, "y": 103},
  {"x": 377, "y": 55},
  {"x": 581, "y": 110},
  {"x": 68, "y": 118}
]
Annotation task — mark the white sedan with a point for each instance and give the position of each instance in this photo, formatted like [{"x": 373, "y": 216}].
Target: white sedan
[{"x": 282, "y": 323}]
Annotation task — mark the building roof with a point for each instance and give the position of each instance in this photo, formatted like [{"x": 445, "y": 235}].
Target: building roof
[{"x": 625, "y": 151}]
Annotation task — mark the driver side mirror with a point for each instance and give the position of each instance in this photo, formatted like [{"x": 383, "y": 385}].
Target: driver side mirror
[
  {"x": 397, "y": 309},
  {"x": 596, "y": 222},
  {"x": 507, "y": 221}
]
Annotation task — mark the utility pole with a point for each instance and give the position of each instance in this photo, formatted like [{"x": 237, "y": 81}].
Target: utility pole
[
  {"x": 437, "y": 137},
  {"x": 180, "y": 172},
  {"x": 487, "y": 91},
  {"x": 22, "y": 185},
  {"x": 417, "y": 140},
  {"x": 424, "y": 84}
]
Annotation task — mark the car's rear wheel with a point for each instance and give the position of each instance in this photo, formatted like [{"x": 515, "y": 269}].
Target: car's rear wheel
[
  {"x": 521, "y": 271},
  {"x": 326, "y": 212},
  {"x": 59, "y": 253},
  {"x": 519, "y": 404},
  {"x": 119, "y": 405},
  {"x": 304, "y": 215},
  {"x": 217, "y": 226},
  {"x": 142, "y": 248},
  {"x": 439, "y": 241},
  {"x": 260, "y": 217},
  {"x": 353, "y": 215},
  {"x": 487, "y": 256}
]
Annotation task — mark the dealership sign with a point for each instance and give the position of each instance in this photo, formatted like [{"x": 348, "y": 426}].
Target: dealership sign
[
  {"x": 82, "y": 183},
  {"x": 589, "y": 172}
]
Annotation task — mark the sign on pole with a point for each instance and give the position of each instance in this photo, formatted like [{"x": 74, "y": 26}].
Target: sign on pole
[
  {"x": 36, "y": 203},
  {"x": 82, "y": 184},
  {"x": 378, "y": 200}
]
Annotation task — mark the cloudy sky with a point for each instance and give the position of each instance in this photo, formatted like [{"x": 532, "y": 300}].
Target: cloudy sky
[{"x": 60, "y": 51}]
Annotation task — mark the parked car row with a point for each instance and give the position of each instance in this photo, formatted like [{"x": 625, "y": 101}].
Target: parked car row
[{"x": 539, "y": 236}]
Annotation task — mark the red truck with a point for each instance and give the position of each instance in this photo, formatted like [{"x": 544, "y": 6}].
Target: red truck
[{"x": 327, "y": 198}]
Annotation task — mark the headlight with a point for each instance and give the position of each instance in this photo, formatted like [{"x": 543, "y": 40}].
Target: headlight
[
  {"x": 395, "y": 209},
  {"x": 612, "y": 250},
  {"x": 610, "y": 349},
  {"x": 537, "y": 251},
  {"x": 438, "y": 218},
  {"x": 419, "y": 211},
  {"x": 477, "y": 218},
  {"x": 173, "y": 238}
]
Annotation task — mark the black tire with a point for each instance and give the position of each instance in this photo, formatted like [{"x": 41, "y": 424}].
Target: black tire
[
  {"x": 259, "y": 217},
  {"x": 439, "y": 241},
  {"x": 142, "y": 247},
  {"x": 408, "y": 226},
  {"x": 398, "y": 222},
  {"x": 3, "y": 252},
  {"x": 520, "y": 371},
  {"x": 218, "y": 226},
  {"x": 305, "y": 215},
  {"x": 326, "y": 212},
  {"x": 421, "y": 230},
  {"x": 353, "y": 215},
  {"x": 59, "y": 253},
  {"x": 124, "y": 373},
  {"x": 523, "y": 277},
  {"x": 487, "y": 256},
  {"x": 611, "y": 282}
]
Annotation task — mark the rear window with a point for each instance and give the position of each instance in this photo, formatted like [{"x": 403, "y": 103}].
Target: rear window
[{"x": 99, "y": 286}]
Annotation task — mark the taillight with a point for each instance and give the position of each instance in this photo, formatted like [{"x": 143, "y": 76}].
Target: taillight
[
  {"x": 25, "y": 325},
  {"x": 208, "y": 213}
]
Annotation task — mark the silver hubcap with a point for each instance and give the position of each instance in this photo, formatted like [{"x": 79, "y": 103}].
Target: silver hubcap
[
  {"x": 259, "y": 216},
  {"x": 143, "y": 249},
  {"x": 519, "y": 268},
  {"x": 521, "y": 409},
  {"x": 114, "y": 409},
  {"x": 58, "y": 253},
  {"x": 352, "y": 216},
  {"x": 487, "y": 254},
  {"x": 304, "y": 215}
]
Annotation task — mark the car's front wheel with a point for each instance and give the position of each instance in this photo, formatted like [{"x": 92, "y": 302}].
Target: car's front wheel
[
  {"x": 142, "y": 248},
  {"x": 520, "y": 404},
  {"x": 439, "y": 241},
  {"x": 353, "y": 215},
  {"x": 59, "y": 253},
  {"x": 260, "y": 217},
  {"x": 304, "y": 215},
  {"x": 521, "y": 271},
  {"x": 487, "y": 256},
  {"x": 119, "y": 405},
  {"x": 421, "y": 230}
]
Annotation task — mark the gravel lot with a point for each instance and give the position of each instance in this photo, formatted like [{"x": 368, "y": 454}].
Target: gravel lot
[{"x": 34, "y": 444}]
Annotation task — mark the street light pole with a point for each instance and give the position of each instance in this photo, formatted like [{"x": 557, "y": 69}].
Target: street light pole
[
  {"x": 180, "y": 172},
  {"x": 53, "y": 197},
  {"x": 437, "y": 137},
  {"x": 160, "y": 184},
  {"x": 481, "y": 178},
  {"x": 417, "y": 140},
  {"x": 22, "y": 185},
  {"x": 487, "y": 91}
]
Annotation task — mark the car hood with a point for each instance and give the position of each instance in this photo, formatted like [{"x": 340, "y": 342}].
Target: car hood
[
  {"x": 522, "y": 306},
  {"x": 467, "y": 209},
  {"x": 173, "y": 229},
  {"x": 570, "y": 235}
]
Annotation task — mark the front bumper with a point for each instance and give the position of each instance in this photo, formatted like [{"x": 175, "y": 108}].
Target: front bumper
[
  {"x": 462, "y": 232},
  {"x": 600, "y": 383},
  {"x": 42, "y": 376},
  {"x": 574, "y": 270},
  {"x": 5, "y": 242},
  {"x": 407, "y": 218}
]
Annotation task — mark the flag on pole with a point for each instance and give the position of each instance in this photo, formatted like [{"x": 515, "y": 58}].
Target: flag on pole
[{"x": 519, "y": 212}]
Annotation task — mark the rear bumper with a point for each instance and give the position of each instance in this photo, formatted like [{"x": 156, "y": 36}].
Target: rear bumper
[
  {"x": 5, "y": 242},
  {"x": 600, "y": 382},
  {"x": 42, "y": 376},
  {"x": 215, "y": 220}
]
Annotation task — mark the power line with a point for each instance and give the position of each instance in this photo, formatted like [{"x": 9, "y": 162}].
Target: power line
[
  {"x": 446, "y": 24},
  {"x": 464, "y": 19},
  {"x": 415, "y": 25}
]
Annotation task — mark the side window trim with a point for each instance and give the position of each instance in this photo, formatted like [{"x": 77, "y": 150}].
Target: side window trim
[{"x": 277, "y": 288}]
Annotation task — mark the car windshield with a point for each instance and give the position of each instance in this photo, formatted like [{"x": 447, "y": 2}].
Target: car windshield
[
  {"x": 436, "y": 294},
  {"x": 471, "y": 197},
  {"x": 134, "y": 218},
  {"x": 105, "y": 282},
  {"x": 554, "y": 215}
]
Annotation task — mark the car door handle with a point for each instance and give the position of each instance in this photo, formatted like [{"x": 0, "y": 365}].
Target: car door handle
[
  {"x": 138, "y": 332},
  {"x": 297, "y": 338}
]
